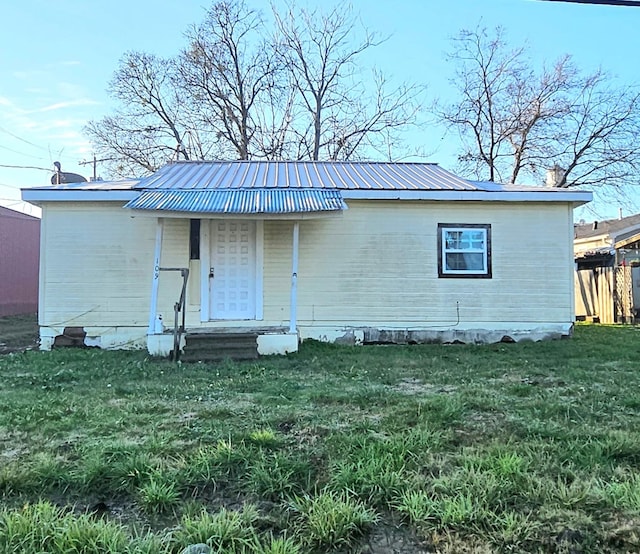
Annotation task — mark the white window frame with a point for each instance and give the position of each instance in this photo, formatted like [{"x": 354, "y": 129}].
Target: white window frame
[{"x": 443, "y": 229}]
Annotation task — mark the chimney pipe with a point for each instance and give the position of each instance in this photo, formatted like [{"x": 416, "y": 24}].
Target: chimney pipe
[{"x": 555, "y": 175}]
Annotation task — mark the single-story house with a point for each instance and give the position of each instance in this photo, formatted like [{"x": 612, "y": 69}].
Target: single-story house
[
  {"x": 19, "y": 259},
  {"x": 363, "y": 252},
  {"x": 607, "y": 256}
]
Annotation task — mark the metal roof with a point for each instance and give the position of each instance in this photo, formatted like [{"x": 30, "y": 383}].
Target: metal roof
[
  {"x": 304, "y": 175},
  {"x": 126, "y": 184},
  {"x": 351, "y": 180},
  {"x": 243, "y": 201}
]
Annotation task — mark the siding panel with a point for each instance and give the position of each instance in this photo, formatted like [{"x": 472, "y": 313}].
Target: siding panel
[
  {"x": 376, "y": 264},
  {"x": 385, "y": 268},
  {"x": 98, "y": 267}
]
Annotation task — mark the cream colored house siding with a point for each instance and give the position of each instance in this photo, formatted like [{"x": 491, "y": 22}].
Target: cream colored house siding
[
  {"x": 375, "y": 265},
  {"x": 97, "y": 269},
  {"x": 97, "y": 262},
  {"x": 378, "y": 266},
  {"x": 278, "y": 241},
  {"x": 595, "y": 243}
]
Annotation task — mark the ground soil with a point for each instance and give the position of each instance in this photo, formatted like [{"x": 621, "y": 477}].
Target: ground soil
[{"x": 18, "y": 333}]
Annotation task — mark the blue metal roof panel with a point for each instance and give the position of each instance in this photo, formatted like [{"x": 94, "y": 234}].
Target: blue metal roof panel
[
  {"x": 245, "y": 201},
  {"x": 304, "y": 175}
]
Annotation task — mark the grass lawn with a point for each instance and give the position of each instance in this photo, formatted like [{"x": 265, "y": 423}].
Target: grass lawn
[{"x": 530, "y": 447}]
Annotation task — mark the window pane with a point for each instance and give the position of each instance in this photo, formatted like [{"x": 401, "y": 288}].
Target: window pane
[
  {"x": 464, "y": 262},
  {"x": 453, "y": 240},
  {"x": 464, "y": 240},
  {"x": 194, "y": 239}
]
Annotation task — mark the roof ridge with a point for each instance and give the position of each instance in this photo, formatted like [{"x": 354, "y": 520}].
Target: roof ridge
[{"x": 332, "y": 162}]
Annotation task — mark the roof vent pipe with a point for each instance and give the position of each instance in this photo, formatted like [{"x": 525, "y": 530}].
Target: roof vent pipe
[
  {"x": 595, "y": 225},
  {"x": 555, "y": 175},
  {"x": 619, "y": 213}
]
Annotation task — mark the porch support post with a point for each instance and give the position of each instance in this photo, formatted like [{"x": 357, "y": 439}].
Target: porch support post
[
  {"x": 294, "y": 277},
  {"x": 153, "y": 309}
]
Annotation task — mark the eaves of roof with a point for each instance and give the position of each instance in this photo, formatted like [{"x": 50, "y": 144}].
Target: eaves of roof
[{"x": 353, "y": 180}]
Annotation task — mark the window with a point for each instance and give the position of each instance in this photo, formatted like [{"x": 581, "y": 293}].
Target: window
[
  {"x": 194, "y": 239},
  {"x": 464, "y": 250}
]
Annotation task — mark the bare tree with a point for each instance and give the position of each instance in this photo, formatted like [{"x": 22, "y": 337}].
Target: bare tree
[
  {"x": 149, "y": 127},
  {"x": 336, "y": 116},
  {"x": 240, "y": 91},
  {"x": 515, "y": 122},
  {"x": 230, "y": 73}
]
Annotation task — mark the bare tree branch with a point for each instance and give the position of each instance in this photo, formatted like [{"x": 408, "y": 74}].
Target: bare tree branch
[
  {"x": 241, "y": 89},
  {"x": 515, "y": 122}
]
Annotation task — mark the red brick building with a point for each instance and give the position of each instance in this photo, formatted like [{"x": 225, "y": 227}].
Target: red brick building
[{"x": 19, "y": 260}]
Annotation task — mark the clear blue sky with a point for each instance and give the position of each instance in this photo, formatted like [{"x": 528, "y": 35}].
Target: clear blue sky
[{"x": 57, "y": 57}]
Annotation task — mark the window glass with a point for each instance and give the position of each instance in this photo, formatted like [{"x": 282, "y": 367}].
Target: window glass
[{"x": 194, "y": 239}]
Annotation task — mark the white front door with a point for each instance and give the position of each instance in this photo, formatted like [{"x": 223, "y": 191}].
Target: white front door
[{"x": 232, "y": 277}]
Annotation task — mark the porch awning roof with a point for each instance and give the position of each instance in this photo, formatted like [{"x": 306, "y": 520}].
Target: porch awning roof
[{"x": 240, "y": 201}]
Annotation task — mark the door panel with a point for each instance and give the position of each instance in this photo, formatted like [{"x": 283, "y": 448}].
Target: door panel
[{"x": 233, "y": 270}]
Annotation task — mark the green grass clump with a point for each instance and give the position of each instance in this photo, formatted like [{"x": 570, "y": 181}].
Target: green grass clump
[
  {"x": 41, "y": 527},
  {"x": 223, "y": 531},
  {"x": 372, "y": 473},
  {"x": 332, "y": 520},
  {"x": 159, "y": 494}
]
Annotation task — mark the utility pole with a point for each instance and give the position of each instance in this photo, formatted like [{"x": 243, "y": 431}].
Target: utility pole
[{"x": 95, "y": 164}]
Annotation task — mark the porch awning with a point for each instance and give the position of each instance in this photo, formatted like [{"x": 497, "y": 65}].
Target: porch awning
[{"x": 240, "y": 201}]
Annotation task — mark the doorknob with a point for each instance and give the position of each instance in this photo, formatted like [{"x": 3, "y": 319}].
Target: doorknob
[{"x": 210, "y": 273}]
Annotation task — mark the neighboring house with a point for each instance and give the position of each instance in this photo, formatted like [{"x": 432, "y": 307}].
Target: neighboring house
[
  {"x": 607, "y": 255},
  {"x": 352, "y": 251},
  {"x": 19, "y": 253}
]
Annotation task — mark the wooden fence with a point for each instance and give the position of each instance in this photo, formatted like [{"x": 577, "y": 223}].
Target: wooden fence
[{"x": 605, "y": 294}]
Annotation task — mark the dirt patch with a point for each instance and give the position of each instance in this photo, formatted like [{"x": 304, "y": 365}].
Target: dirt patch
[
  {"x": 412, "y": 386},
  {"x": 18, "y": 333},
  {"x": 388, "y": 538}
]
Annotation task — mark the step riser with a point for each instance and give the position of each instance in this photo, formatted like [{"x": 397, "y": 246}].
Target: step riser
[
  {"x": 242, "y": 341},
  {"x": 215, "y": 347}
]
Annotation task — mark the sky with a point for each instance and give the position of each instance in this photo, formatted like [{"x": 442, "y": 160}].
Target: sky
[{"x": 57, "y": 58}]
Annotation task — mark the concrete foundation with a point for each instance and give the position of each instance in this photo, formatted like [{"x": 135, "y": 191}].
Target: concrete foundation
[{"x": 277, "y": 344}]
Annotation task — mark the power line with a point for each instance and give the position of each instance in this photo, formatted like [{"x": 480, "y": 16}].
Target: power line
[
  {"x": 3, "y": 130},
  {"x": 20, "y": 153},
  {"x": 634, "y": 3},
  {"x": 48, "y": 169}
]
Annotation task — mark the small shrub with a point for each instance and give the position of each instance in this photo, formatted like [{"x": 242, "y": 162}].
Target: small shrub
[
  {"x": 453, "y": 512},
  {"x": 570, "y": 495},
  {"x": 48, "y": 471},
  {"x": 115, "y": 472}
]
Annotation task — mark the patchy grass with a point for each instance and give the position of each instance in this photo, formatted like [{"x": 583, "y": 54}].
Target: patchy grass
[
  {"x": 530, "y": 447},
  {"x": 18, "y": 333}
]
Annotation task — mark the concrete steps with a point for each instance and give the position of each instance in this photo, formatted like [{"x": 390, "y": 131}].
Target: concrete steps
[{"x": 217, "y": 346}]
